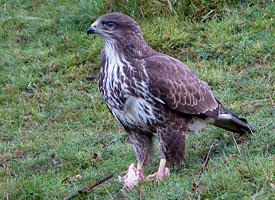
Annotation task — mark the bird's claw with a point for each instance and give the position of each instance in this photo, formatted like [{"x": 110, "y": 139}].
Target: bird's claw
[{"x": 159, "y": 175}]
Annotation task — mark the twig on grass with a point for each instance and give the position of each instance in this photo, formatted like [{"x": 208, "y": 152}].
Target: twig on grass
[
  {"x": 5, "y": 159},
  {"x": 89, "y": 187},
  {"x": 207, "y": 158}
]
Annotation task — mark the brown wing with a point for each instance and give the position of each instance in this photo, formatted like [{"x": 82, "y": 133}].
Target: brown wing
[{"x": 177, "y": 86}]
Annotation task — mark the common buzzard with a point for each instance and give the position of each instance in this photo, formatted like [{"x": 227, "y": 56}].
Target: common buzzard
[{"x": 153, "y": 94}]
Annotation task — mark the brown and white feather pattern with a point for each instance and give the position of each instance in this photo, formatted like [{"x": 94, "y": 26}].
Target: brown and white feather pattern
[
  {"x": 150, "y": 93},
  {"x": 125, "y": 89},
  {"x": 178, "y": 86}
]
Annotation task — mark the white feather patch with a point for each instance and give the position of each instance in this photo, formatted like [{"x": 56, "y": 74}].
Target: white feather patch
[
  {"x": 196, "y": 124},
  {"x": 225, "y": 116},
  {"x": 138, "y": 112}
]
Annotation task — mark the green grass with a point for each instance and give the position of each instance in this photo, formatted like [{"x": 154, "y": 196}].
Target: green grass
[{"x": 54, "y": 124}]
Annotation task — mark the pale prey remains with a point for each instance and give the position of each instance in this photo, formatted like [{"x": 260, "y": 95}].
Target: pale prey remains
[{"x": 152, "y": 94}]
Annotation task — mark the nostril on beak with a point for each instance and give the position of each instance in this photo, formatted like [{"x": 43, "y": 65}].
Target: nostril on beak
[{"x": 91, "y": 29}]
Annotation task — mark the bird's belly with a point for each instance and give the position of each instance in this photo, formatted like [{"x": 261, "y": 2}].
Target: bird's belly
[{"x": 137, "y": 113}]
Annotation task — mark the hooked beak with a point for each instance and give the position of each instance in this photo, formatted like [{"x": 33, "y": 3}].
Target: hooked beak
[{"x": 92, "y": 28}]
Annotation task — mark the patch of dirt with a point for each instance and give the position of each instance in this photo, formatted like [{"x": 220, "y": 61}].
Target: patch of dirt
[
  {"x": 17, "y": 154},
  {"x": 24, "y": 39},
  {"x": 20, "y": 154},
  {"x": 42, "y": 165},
  {"x": 198, "y": 186}
]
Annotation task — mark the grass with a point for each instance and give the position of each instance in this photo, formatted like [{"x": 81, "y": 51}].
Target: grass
[{"x": 55, "y": 125}]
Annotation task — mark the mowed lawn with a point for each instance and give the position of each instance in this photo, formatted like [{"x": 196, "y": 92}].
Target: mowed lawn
[{"x": 54, "y": 124}]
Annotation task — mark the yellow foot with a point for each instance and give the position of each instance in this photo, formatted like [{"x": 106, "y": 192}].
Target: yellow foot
[
  {"x": 162, "y": 172},
  {"x": 159, "y": 175}
]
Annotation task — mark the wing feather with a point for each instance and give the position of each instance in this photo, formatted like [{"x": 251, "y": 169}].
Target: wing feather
[{"x": 177, "y": 86}]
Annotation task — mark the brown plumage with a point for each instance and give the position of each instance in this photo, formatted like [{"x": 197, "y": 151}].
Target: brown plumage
[{"x": 152, "y": 94}]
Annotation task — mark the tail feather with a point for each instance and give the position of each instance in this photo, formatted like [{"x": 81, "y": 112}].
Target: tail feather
[
  {"x": 231, "y": 122},
  {"x": 226, "y": 119}
]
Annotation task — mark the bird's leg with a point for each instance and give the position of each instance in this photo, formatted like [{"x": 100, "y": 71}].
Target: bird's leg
[
  {"x": 133, "y": 176},
  {"x": 161, "y": 173},
  {"x": 142, "y": 144}
]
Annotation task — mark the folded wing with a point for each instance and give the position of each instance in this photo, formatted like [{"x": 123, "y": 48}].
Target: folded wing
[{"x": 178, "y": 87}]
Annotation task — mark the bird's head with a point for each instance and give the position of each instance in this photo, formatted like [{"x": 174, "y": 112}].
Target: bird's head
[{"x": 114, "y": 26}]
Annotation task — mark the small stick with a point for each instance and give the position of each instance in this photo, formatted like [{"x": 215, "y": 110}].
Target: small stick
[
  {"x": 102, "y": 180},
  {"x": 207, "y": 158},
  {"x": 89, "y": 187},
  {"x": 5, "y": 159}
]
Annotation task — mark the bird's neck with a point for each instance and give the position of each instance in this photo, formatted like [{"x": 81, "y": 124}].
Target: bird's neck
[{"x": 134, "y": 47}]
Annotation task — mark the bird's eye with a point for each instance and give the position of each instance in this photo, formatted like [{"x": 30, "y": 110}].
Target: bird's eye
[{"x": 110, "y": 24}]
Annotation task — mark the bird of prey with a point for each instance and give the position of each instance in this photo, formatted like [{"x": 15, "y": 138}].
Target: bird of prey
[{"x": 153, "y": 94}]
